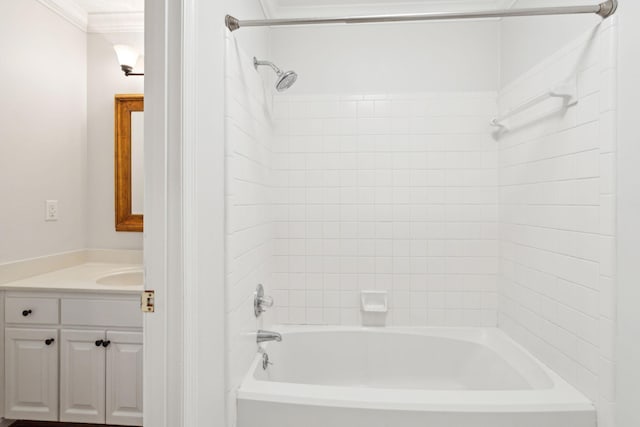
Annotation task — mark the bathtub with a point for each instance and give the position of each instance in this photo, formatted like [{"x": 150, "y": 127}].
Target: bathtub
[{"x": 405, "y": 377}]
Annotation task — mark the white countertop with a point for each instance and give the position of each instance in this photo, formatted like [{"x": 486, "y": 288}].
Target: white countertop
[{"x": 80, "y": 278}]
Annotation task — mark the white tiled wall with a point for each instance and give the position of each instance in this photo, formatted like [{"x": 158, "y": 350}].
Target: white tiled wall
[
  {"x": 411, "y": 194},
  {"x": 557, "y": 210},
  {"x": 387, "y": 192},
  {"x": 248, "y": 227}
]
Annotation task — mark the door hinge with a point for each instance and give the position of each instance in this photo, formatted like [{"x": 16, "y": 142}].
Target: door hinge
[{"x": 147, "y": 301}]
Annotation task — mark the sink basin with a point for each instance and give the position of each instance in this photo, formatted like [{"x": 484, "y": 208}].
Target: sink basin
[{"x": 122, "y": 278}]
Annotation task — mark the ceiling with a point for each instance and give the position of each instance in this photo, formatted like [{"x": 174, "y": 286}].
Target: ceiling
[
  {"x": 326, "y": 8},
  {"x": 110, "y": 6},
  {"x": 101, "y": 16}
]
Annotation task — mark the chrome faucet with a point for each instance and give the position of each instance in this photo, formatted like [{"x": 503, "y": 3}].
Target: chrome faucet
[{"x": 265, "y": 336}]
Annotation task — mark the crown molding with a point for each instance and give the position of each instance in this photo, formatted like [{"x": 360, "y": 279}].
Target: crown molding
[
  {"x": 118, "y": 22},
  {"x": 70, "y": 11},
  {"x": 124, "y": 22}
]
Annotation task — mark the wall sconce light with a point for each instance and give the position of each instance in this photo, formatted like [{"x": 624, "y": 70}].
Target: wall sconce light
[{"x": 127, "y": 57}]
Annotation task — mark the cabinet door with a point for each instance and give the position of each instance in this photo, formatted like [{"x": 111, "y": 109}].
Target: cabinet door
[
  {"x": 124, "y": 378},
  {"x": 82, "y": 376},
  {"x": 31, "y": 374}
]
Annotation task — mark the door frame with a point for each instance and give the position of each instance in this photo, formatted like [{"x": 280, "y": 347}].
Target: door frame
[
  {"x": 184, "y": 339},
  {"x": 627, "y": 348}
]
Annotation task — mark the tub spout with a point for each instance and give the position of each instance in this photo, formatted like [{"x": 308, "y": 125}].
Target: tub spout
[{"x": 264, "y": 336}]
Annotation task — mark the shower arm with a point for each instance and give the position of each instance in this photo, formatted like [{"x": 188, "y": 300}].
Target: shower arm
[
  {"x": 604, "y": 10},
  {"x": 257, "y": 63}
]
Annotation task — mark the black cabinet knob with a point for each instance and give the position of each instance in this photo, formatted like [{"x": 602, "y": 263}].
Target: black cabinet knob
[
  {"x": 25, "y": 313},
  {"x": 99, "y": 343},
  {"x": 106, "y": 343},
  {"x": 49, "y": 341}
]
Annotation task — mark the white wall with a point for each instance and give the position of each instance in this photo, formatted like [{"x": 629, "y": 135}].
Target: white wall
[
  {"x": 386, "y": 192},
  {"x": 248, "y": 225},
  {"x": 249, "y": 228},
  {"x": 628, "y": 215},
  {"x": 391, "y": 58},
  {"x": 104, "y": 81},
  {"x": 58, "y": 137},
  {"x": 527, "y": 41},
  {"x": 557, "y": 205},
  {"x": 42, "y": 131},
  {"x": 367, "y": 173},
  {"x": 557, "y": 184}
]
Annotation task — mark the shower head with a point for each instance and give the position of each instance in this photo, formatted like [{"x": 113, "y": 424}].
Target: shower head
[{"x": 286, "y": 79}]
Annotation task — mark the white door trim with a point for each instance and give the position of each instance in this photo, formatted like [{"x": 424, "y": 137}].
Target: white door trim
[
  {"x": 627, "y": 348},
  {"x": 184, "y": 340},
  {"x": 162, "y": 366},
  {"x": 203, "y": 210},
  {"x": 190, "y": 206}
]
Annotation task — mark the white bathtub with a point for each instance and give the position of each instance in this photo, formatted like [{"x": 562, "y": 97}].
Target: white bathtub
[{"x": 413, "y": 377}]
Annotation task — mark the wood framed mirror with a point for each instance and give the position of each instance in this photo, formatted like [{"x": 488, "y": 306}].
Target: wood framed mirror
[{"x": 129, "y": 166}]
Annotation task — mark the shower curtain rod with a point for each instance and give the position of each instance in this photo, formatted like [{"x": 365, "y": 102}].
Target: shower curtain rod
[{"x": 605, "y": 10}]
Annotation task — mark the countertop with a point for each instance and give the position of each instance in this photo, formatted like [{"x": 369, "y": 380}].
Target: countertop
[{"x": 80, "y": 278}]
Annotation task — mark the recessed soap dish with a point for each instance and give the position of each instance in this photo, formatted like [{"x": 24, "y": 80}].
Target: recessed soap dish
[
  {"x": 374, "y": 301},
  {"x": 374, "y": 306}
]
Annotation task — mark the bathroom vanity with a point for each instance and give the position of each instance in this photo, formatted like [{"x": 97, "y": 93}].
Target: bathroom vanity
[{"x": 73, "y": 345}]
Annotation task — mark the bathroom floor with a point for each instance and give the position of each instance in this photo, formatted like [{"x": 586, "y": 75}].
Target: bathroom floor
[{"x": 51, "y": 424}]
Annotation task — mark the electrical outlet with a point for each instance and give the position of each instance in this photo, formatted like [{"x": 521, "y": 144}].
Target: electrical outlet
[{"x": 51, "y": 210}]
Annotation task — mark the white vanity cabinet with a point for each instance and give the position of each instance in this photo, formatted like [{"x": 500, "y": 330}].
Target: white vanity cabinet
[
  {"x": 124, "y": 378},
  {"x": 82, "y": 376},
  {"x": 31, "y": 374},
  {"x": 101, "y": 376},
  {"x": 73, "y": 358}
]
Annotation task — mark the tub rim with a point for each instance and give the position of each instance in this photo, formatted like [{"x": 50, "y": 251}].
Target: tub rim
[{"x": 561, "y": 396}]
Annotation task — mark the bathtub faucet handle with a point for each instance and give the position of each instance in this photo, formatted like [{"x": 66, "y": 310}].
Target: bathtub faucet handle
[
  {"x": 265, "y": 361},
  {"x": 260, "y": 301},
  {"x": 266, "y": 302}
]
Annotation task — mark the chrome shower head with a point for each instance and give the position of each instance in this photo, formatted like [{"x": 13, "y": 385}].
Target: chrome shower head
[{"x": 286, "y": 79}]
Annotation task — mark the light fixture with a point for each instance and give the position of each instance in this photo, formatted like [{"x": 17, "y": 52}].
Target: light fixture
[{"x": 127, "y": 57}]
